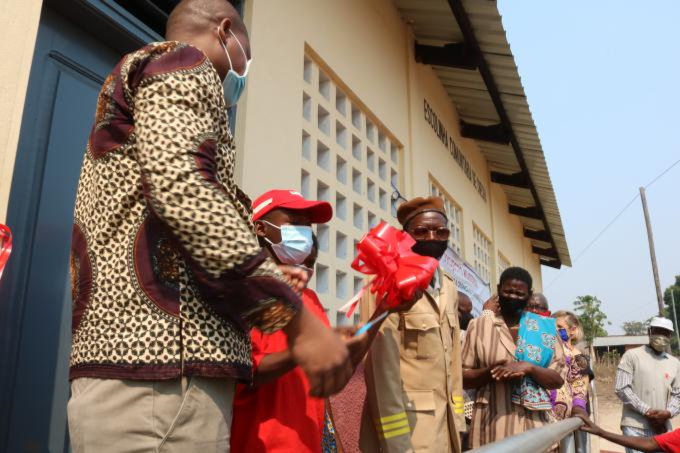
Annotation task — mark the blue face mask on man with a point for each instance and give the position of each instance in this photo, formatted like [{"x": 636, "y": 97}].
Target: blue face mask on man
[
  {"x": 234, "y": 83},
  {"x": 296, "y": 243}
]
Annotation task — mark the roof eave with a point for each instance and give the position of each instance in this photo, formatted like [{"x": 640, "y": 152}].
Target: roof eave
[
  {"x": 493, "y": 111},
  {"x": 553, "y": 256}
]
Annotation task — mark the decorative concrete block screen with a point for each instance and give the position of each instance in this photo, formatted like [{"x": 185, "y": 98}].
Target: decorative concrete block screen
[
  {"x": 350, "y": 160},
  {"x": 454, "y": 214},
  {"x": 482, "y": 255},
  {"x": 503, "y": 264}
]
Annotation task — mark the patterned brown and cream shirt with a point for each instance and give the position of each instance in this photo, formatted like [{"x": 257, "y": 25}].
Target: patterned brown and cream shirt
[{"x": 167, "y": 274}]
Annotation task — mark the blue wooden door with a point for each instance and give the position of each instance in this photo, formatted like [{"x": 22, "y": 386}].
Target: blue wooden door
[
  {"x": 68, "y": 68},
  {"x": 79, "y": 41}
]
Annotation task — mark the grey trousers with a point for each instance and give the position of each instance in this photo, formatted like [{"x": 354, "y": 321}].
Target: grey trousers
[{"x": 181, "y": 415}]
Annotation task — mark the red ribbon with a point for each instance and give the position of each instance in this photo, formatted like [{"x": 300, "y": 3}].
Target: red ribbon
[
  {"x": 5, "y": 246},
  {"x": 386, "y": 253}
]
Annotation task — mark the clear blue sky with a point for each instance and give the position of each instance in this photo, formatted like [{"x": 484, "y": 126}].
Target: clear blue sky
[{"x": 603, "y": 83}]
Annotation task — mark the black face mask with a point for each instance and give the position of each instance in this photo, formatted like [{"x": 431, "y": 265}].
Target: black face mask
[
  {"x": 511, "y": 307},
  {"x": 433, "y": 249},
  {"x": 464, "y": 319}
]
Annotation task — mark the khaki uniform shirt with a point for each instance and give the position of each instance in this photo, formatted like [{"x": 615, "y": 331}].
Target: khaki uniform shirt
[{"x": 414, "y": 396}]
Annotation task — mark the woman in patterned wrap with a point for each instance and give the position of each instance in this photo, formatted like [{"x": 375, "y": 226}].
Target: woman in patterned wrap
[
  {"x": 512, "y": 360},
  {"x": 571, "y": 398}
]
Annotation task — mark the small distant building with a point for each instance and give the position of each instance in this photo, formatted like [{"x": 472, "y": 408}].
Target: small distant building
[{"x": 620, "y": 343}]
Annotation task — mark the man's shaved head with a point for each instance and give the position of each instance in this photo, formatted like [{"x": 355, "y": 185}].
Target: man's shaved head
[
  {"x": 541, "y": 301},
  {"x": 538, "y": 304},
  {"x": 208, "y": 25},
  {"x": 196, "y": 16},
  {"x": 464, "y": 310},
  {"x": 464, "y": 303}
]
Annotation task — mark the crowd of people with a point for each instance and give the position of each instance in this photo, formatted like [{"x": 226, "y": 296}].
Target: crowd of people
[{"x": 194, "y": 328}]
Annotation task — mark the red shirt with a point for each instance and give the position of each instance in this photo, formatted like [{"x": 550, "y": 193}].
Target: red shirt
[
  {"x": 669, "y": 442},
  {"x": 278, "y": 416}
]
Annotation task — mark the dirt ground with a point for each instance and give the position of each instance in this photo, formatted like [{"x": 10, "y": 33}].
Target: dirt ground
[
  {"x": 609, "y": 412},
  {"x": 610, "y": 406}
]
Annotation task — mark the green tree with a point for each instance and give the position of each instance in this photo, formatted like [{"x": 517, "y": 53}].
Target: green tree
[
  {"x": 592, "y": 318},
  {"x": 635, "y": 328},
  {"x": 674, "y": 289}
]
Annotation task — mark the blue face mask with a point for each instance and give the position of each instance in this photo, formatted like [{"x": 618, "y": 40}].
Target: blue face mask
[
  {"x": 234, "y": 84},
  {"x": 296, "y": 243},
  {"x": 564, "y": 335}
]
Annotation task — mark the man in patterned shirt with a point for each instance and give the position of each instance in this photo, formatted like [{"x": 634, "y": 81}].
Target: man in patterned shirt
[{"x": 167, "y": 274}]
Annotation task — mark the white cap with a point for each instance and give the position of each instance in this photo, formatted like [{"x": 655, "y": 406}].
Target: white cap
[{"x": 662, "y": 323}]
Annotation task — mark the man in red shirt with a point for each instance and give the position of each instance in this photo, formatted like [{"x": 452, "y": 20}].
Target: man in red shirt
[
  {"x": 276, "y": 413},
  {"x": 668, "y": 442}
]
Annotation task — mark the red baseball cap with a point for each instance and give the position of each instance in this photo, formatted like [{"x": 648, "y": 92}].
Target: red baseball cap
[{"x": 319, "y": 211}]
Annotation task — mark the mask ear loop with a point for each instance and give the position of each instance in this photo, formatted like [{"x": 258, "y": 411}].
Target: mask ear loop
[
  {"x": 245, "y": 55},
  {"x": 239, "y": 45},
  {"x": 274, "y": 226},
  {"x": 271, "y": 224},
  {"x": 224, "y": 46}
]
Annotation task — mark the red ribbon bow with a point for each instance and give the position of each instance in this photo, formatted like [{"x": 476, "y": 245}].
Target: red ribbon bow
[
  {"x": 5, "y": 246},
  {"x": 386, "y": 253}
]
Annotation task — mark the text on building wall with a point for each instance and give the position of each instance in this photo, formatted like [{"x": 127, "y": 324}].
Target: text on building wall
[{"x": 455, "y": 151}]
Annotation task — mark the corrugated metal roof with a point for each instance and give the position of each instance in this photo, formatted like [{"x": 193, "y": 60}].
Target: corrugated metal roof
[
  {"x": 434, "y": 23},
  {"x": 620, "y": 340}
]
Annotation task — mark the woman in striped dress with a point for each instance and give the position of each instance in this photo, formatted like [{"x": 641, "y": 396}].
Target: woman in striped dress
[{"x": 512, "y": 360}]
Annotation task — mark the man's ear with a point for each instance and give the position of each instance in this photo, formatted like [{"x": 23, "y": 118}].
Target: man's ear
[
  {"x": 260, "y": 229},
  {"x": 531, "y": 293},
  {"x": 224, "y": 28}
]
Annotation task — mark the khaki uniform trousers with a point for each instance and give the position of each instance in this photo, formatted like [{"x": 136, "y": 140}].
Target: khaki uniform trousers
[{"x": 181, "y": 415}]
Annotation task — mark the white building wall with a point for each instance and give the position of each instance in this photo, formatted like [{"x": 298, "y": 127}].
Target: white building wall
[{"x": 365, "y": 50}]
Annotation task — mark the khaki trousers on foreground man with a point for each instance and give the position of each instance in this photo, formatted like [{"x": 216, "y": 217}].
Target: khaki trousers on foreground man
[{"x": 187, "y": 415}]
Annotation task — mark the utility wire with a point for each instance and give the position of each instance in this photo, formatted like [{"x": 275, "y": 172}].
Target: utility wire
[
  {"x": 625, "y": 208},
  {"x": 599, "y": 235},
  {"x": 663, "y": 173}
]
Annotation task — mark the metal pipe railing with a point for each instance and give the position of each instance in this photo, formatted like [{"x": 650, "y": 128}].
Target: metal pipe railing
[
  {"x": 595, "y": 409},
  {"x": 538, "y": 439}
]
